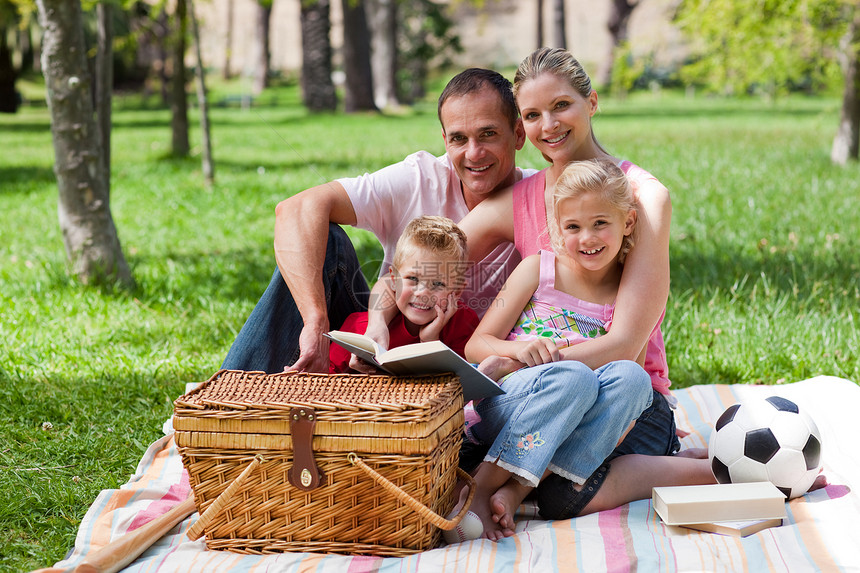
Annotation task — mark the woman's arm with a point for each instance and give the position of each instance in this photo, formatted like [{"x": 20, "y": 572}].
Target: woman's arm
[
  {"x": 644, "y": 287},
  {"x": 489, "y": 337}
]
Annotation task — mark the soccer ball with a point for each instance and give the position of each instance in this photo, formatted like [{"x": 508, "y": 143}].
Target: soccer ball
[{"x": 766, "y": 440}]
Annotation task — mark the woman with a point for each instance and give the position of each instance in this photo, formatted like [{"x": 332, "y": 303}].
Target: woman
[{"x": 557, "y": 102}]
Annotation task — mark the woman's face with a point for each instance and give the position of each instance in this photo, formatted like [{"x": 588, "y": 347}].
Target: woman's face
[{"x": 557, "y": 118}]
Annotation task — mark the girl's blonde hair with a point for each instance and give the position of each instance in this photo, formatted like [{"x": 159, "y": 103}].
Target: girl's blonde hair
[
  {"x": 560, "y": 63},
  {"x": 599, "y": 176},
  {"x": 439, "y": 235}
]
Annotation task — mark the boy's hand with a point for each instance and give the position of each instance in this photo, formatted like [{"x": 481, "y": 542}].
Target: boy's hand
[
  {"x": 359, "y": 365},
  {"x": 378, "y": 331},
  {"x": 538, "y": 351},
  {"x": 445, "y": 309}
]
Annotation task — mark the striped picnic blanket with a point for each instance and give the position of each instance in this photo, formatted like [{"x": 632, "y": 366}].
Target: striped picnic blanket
[{"x": 820, "y": 533}]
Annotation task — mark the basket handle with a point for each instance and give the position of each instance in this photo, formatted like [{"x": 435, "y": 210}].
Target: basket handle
[
  {"x": 423, "y": 511},
  {"x": 196, "y": 530}
]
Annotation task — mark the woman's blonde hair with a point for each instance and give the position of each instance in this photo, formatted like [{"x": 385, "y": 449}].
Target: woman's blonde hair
[
  {"x": 560, "y": 63},
  {"x": 599, "y": 176}
]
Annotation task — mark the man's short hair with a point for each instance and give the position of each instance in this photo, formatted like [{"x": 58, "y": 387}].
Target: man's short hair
[{"x": 475, "y": 79}]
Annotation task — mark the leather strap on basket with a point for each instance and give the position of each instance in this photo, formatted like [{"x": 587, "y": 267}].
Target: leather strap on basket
[
  {"x": 305, "y": 474},
  {"x": 423, "y": 511}
]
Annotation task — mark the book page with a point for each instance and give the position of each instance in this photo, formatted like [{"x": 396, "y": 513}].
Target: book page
[{"x": 410, "y": 350}]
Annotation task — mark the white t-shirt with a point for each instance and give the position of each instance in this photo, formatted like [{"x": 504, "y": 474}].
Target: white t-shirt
[{"x": 387, "y": 200}]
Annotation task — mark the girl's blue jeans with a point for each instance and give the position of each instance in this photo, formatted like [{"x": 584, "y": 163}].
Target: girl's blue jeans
[{"x": 562, "y": 416}]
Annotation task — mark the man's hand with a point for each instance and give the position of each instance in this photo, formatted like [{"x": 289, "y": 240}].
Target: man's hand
[
  {"x": 538, "y": 351},
  {"x": 445, "y": 309},
  {"x": 313, "y": 348}
]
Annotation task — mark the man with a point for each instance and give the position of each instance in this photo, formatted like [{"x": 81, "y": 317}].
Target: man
[{"x": 319, "y": 283}]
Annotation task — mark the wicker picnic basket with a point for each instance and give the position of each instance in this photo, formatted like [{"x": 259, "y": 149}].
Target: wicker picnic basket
[{"x": 322, "y": 463}]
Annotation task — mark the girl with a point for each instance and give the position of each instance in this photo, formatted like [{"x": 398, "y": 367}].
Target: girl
[{"x": 558, "y": 417}]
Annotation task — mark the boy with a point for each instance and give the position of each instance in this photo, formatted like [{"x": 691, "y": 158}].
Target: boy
[{"x": 428, "y": 273}]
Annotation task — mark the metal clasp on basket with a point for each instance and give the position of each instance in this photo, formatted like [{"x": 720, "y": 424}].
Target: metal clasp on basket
[{"x": 305, "y": 474}]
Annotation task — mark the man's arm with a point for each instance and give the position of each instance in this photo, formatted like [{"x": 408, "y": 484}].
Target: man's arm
[{"x": 301, "y": 234}]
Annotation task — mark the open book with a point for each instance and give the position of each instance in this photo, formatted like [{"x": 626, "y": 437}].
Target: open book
[{"x": 420, "y": 358}]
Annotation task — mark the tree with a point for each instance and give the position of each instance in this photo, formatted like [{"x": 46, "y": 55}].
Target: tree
[
  {"x": 8, "y": 74},
  {"x": 226, "y": 71},
  {"x": 178, "y": 96},
  {"x": 558, "y": 26},
  {"x": 89, "y": 235},
  {"x": 619, "y": 18},
  {"x": 261, "y": 54},
  {"x": 317, "y": 86},
  {"x": 539, "y": 31},
  {"x": 104, "y": 82},
  {"x": 208, "y": 164},
  {"x": 773, "y": 46},
  {"x": 382, "y": 20},
  {"x": 846, "y": 144},
  {"x": 358, "y": 95}
]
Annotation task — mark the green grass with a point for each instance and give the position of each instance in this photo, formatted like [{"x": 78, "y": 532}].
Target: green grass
[{"x": 765, "y": 259}]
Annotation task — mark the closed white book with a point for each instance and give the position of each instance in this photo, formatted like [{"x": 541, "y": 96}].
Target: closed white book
[{"x": 681, "y": 505}]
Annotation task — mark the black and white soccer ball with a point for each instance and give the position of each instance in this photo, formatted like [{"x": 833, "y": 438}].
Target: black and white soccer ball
[{"x": 766, "y": 440}]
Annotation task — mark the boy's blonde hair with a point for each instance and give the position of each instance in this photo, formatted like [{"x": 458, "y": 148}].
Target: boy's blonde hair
[
  {"x": 439, "y": 235},
  {"x": 598, "y": 176}
]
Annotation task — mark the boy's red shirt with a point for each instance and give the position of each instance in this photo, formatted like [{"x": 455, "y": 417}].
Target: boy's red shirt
[{"x": 455, "y": 334}]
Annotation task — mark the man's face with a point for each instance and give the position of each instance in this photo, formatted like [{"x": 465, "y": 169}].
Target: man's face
[{"x": 481, "y": 143}]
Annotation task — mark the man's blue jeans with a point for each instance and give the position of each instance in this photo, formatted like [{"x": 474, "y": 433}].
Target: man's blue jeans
[{"x": 269, "y": 340}]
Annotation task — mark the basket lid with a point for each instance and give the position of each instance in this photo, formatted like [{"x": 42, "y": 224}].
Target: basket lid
[{"x": 256, "y": 403}]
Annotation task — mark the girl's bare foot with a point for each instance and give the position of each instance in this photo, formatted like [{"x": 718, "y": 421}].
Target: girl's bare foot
[
  {"x": 488, "y": 479},
  {"x": 504, "y": 504}
]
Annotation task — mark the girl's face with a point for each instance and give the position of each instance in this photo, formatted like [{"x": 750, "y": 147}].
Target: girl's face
[
  {"x": 593, "y": 230},
  {"x": 421, "y": 282},
  {"x": 557, "y": 118}
]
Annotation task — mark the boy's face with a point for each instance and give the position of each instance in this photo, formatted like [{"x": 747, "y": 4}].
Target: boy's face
[{"x": 423, "y": 281}]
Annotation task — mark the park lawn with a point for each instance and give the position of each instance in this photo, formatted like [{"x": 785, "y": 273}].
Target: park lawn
[{"x": 765, "y": 259}]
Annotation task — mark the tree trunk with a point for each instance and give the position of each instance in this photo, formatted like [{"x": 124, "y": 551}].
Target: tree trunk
[
  {"x": 104, "y": 83},
  {"x": 89, "y": 234},
  {"x": 202, "y": 101},
  {"x": 558, "y": 27},
  {"x": 8, "y": 76},
  {"x": 317, "y": 86},
  {"x": 358, "y": 94},
  {"x": 619, "y": 18},
  {"x": 162, "y": 31},
  {"x": 25, "y": 41},
  {"x": 539, "y": 24},
  {"x": 847, "y": 141},
  {"x": 261, "y": 47},
  {"x": 382, "y": 16},
  {"x": 178, "y": 97},
  {"x": 226, "y": 72}
]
